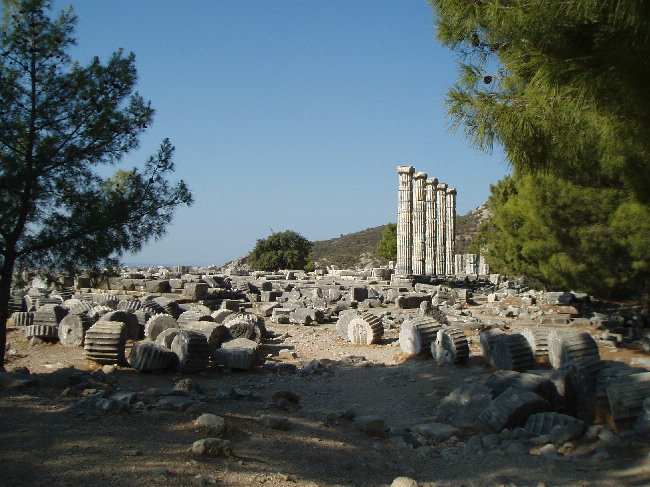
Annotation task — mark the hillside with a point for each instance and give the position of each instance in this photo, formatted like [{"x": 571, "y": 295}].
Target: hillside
[
  {"x": 352, "y": 250},
  {"x": 358, "y": 249},
  {"x": 467, "y": 227}
]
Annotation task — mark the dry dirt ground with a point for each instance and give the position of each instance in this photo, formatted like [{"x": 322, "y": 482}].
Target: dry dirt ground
[{"x": 43, "y": 443}]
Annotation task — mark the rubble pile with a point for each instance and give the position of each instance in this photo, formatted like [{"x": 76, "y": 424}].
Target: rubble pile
[{"x": 550, "y": 389}]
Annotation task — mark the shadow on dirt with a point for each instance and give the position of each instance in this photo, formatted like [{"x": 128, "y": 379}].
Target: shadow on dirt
[{"x": 47, "y": 439}]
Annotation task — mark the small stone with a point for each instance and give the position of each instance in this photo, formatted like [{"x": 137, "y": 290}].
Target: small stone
[
  {"x": 211, "y": 447},
  {"x": 601, "y": 453},
  {"x": 159, "y": 471},
  {"x": 174, "y": 403},
  {"x": 131, "y": 453},
  {"x": 189, "y": 385},
  {"x": 289, "y": 396},
  {"x": 211, "y": 423},
  {"x": 491, "y": 440},
  {"x": 435, "y": 431},
  {"x": 514, "y": 448},
  {"x": 424, "y": 451},
  {"x": 286, "y": 354},
  {"x": 108, "y": 369},
  {"x": 276, "y": 422},
  {"x": 204, "y": 479},
  {"x": 474, "y": 444},
  {"x": 562, "y": 433},
  {"x": 610, "y": 438},
  {"x": 593, "y": 432},
  {"x": 371, "y": 425},
  {"x": 404, "y": 482},
  {"x": 548, "y": 450}
]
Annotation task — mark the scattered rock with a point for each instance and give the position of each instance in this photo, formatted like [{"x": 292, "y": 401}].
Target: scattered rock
[
  {"x": 371, "y": 425},
  {"x": 211, "y": 423},
  {"x": 435, "y": 431},
  {"x": 276, "y": 422},
  {"x": 212, "y": 447},
  {"x": 404, "y": 482}
]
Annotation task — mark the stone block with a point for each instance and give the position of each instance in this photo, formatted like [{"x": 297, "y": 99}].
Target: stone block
[
  {"x": 195, "y": 290},
  {"x": 411, "y": 300},
  {"x": 266, "y": 309},
  {"x": 501, "y": 380},
  {"x": 176, "y": 284},
  {"x": 358, "y": 293},
  {"x": 115, "y": 283},
  {"x": 235, "y": 358},
  {"x": 157, "y": 286},
  {"x": 269, "y": 296},
  {"x": 231, "y": 304},
  {"x": 281, "y": 315},
  {"x": 306, "y": 316},
  {"x": 512, "y": 408},
  {"x": 464, "y": 405},
  {"x": 556, "y": 298},
  {"x": 81, "y": 282}
]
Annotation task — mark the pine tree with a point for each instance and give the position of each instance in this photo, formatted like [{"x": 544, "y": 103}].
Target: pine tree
[
  {"x": 560, "y": 85},
  {"x": 387, "y": 246},
  {"x": 59, "y": 122},
  {"x": 566, "y": 236}
]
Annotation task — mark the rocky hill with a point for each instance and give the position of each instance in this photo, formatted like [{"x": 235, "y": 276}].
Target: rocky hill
[
  {"x": 359, "y": 249},
  {"x": 353, "y": 250}
]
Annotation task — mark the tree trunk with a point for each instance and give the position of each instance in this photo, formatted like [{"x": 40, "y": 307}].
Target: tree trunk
[{"x": 6, "y": 275}]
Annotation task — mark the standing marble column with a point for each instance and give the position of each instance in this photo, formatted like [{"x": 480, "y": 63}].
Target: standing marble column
[
  {"x": 441, "y": 231},
  {"x": 430, "y": 234},
  {"x": 450, "y": 229},
  {"x": 419, "y": 221},
  {"x": 404, "y": 221}
]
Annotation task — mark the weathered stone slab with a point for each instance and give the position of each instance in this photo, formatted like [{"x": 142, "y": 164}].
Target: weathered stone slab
[
  {"x": 411, "y": 300},
  {"x": 195, "y": 290},
  {"x": 513, "y": 408},
  {"x": 157, "y": 286},
  {"x": 464, "y": 405},
  {"x": 235, "y": 358}
]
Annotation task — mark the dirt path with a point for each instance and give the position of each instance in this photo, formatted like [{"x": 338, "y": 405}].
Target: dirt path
[{"x": 44, "y": 443}]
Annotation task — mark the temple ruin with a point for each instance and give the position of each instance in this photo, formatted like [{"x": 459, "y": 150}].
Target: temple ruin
[{"x": 426, "y": 215}]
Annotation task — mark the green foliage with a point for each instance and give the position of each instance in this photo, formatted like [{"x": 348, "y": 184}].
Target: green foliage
[
  {"x": 59, "y": 121},
  {"x": 387, "y": 246},
  {"x": 281, "y": 250},
  {"x": 310, "y": 266},
  {"x": 567, "y": 236},
  {"x": 561, "y": 85},
  {"x": 349, "y": 251}
]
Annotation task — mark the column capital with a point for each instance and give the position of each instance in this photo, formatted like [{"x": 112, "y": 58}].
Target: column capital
[
  {"x": 405, "y": 169},
  {"x": 432, "y": 181},
  {"x": 442, "y": 186},
  {"x": 451, "y": 191},
  {"x": 420, "y": 175}
]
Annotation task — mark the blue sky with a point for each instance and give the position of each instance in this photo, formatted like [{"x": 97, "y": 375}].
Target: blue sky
[{"x": 286, "y": 114}]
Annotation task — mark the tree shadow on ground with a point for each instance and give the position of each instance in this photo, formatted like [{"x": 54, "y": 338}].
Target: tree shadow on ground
[{"x": 43, "y": 442}]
